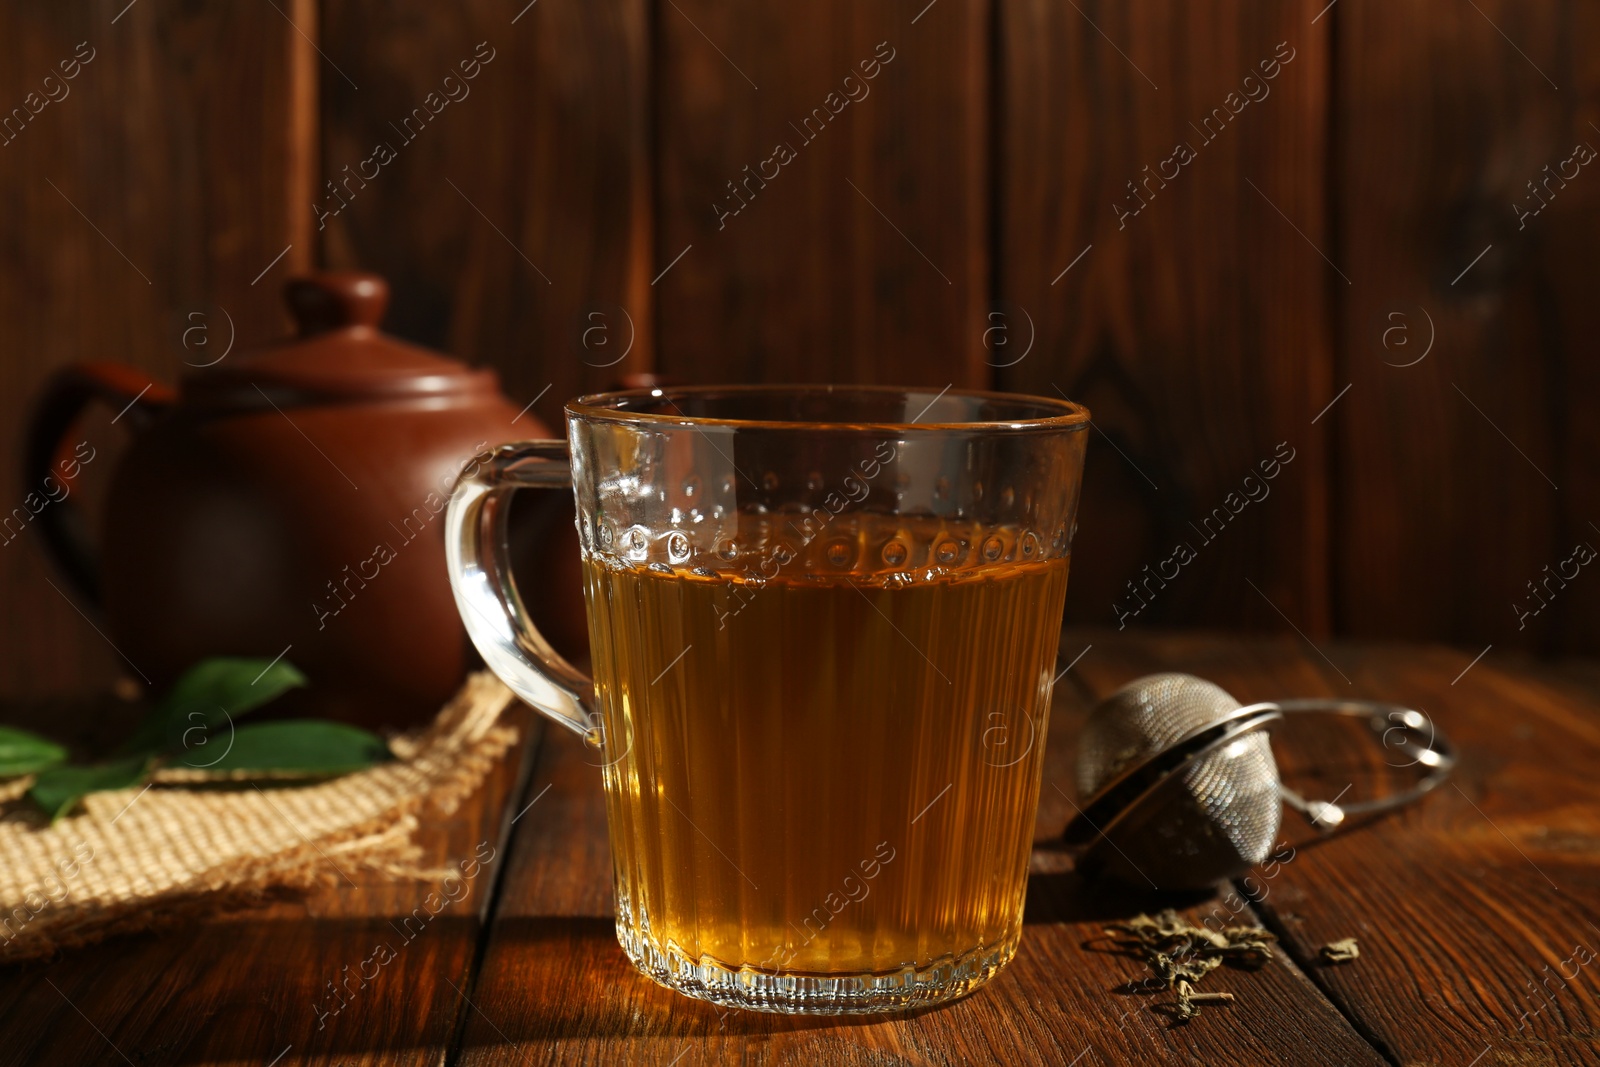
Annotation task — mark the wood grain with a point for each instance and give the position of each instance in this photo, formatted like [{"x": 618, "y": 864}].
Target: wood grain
[
  {"x": 556, "y": 988},
  {"x": 928, "y": 232},
  {"x": 1196, "y": 327},
  {"x": 854, "y": 248},
  {"x": 513, "y": 221},
  {"x": 1448, "y": 498},
  {"x": 1472, "y": 911},
  {"x": 119, "y": 229},
  {"x": 1460, "y": 903},
  {"x": 253, "y": 986}
]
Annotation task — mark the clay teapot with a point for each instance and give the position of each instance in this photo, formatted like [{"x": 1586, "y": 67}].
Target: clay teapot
[{"x": 290, "y": 503}]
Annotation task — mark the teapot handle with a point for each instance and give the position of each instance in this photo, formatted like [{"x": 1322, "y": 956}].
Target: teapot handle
[{"x": 126, "y": 390}]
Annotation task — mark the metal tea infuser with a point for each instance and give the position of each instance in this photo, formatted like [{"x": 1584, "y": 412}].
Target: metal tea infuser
[{"x": 1183, "y": 790}]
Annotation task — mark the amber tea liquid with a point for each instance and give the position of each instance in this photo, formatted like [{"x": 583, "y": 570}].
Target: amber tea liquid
[{"x": 833, "y": 770}]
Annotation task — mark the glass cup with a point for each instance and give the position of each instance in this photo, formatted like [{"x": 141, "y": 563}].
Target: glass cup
[{"x": 823, "y": 624}]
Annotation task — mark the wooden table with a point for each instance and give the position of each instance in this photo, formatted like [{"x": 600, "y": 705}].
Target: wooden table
[{"x": 1474, "y": 912}]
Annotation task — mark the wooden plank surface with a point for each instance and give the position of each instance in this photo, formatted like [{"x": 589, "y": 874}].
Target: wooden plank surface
[
  {"x": 254, "y": 986},
  {"x": 556, "y": 988},
  {"x": 855, "y": 246},
  {"x": 1476, "y": 909},
  {"x": 1161, "y": 231},
  {"x": 1467, "y": 468},
  {"x": 1474, "y": 912},
  {"x": 122, "y": 239},
  {"x": 512, "y": 217}
]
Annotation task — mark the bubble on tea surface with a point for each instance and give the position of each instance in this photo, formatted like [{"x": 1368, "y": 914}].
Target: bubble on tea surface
[
  {"x": 993, "y": 549},
  {"x": 769, "y": 481},
  {"x": 839, "y": 553},
  {"x": 1030, "y": 545},
  {"x": 727, "y": 549},
  {"x": 603, "y": 534},
  {"x": 948, "y": 551},
  {"x": 894, "y": 553},
  {"x": 677, "y": 546}
]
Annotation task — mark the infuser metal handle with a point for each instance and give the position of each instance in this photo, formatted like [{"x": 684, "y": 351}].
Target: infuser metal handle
[{"x": 1407, "y": 725}]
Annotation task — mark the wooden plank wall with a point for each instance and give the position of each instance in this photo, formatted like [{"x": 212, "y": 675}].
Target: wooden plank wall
[
  {"x": 1465, "y": 474},
  {"x": 968, "y": 192},
  {"x": 156, "y": 185},
  {"x": 514, "y": 223},
  {"x": 1148, "y": 238},
  {"x": 866, "y": 258}
]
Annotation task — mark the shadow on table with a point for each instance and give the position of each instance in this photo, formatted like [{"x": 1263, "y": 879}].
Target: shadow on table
[
  {"x": 554, "y": 978},
  {"x": 238, "y": 990},
  {"x": 245, "y": 990},
  {"x": 550, "y": 979},
  {"x": 1062, "y": 896}
]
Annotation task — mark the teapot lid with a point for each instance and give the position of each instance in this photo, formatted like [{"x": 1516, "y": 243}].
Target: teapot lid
[{"x": 338, "y": 354}]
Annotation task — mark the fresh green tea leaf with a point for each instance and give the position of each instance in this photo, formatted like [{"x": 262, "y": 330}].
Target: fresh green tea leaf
[
  {"x": 25, "y": 753},
  {"x": 302, "y": 746},
  {"x": 58, "y": 789},
  {"x": 208, "y": 698}
]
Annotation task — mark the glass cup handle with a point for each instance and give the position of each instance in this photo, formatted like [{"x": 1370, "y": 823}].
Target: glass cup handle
[{"x": 486, "y": 595}]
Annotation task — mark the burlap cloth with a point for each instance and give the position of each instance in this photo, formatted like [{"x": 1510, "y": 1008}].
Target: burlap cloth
[{"x": 143, "y": 857}]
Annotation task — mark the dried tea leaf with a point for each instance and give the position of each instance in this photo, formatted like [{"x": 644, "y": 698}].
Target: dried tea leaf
[
  {"x": 1341, "y": 951},
  {"x": 1181, "y": 954},
  {"x": 1185, "y": 1008}
]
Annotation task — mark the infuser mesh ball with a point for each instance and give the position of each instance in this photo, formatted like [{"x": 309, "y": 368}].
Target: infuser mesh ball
[{"x": 1215, "y": 817}]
